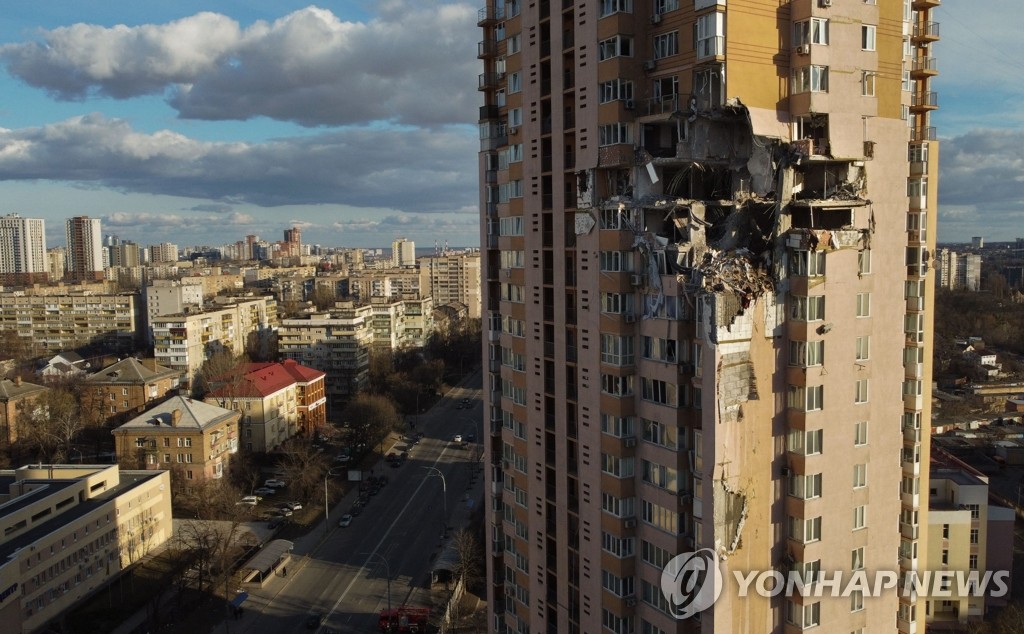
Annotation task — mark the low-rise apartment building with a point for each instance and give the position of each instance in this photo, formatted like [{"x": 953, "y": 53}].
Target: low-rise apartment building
[
  {"x": 191, "y": 439},
  {"x": 454, "y": 278},
  {"x": 53, "y": 323},
  {"x": 14, "y": 395},
  {"x": 276, "y": 401},
  {"x": 123, "y": 389},
  {"x": 68, "y": 531}
]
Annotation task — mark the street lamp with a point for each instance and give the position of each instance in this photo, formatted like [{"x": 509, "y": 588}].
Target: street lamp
[
  {"x": 81, "y": 458},
  {"x": 387, "y": 570},
  {"x": 434, "y": 471}
]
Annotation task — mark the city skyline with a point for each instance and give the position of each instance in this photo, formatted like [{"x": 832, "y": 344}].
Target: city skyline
[{"x": 202, "y": 143}]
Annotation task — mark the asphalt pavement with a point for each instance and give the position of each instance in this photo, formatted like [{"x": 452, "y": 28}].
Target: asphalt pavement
[{"x": 342, "y": 573}]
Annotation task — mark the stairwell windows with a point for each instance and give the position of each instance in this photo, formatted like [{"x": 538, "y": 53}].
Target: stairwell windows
[
  {"x": 867, "y": 83},
  {"x": 666, "y": 45},
  {"x": 514, "y": 44},
  {"x": 809, "y": 79},
  {"x": 860, "y": 433},
  {"x": 616, "y": 46},
  {"x": 609, "y": 7},
  {"x": 515, "y": 82},
  {"x": 614, "y": 134},
  {"x": 861, "y": 392},
  {"x": 860, "y": 476},
  {"x": 515, "y": 117},
  {"x": 868, "y": 33},
  {"x": 813, "y": 31},
  {"x": 863, "y": 348},
  {"x": 864, "y": 262}
]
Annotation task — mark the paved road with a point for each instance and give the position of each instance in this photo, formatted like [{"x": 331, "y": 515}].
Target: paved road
[{"x": 341, "y": 572}]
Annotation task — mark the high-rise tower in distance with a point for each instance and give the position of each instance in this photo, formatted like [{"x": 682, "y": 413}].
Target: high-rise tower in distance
[
  {"x": 85, "y": 249},
  {"x": 707, "y": 231},
  {"x": 22, "y": 250}
]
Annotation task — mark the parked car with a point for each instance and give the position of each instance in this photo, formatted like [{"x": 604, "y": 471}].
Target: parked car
[
  {"x": 265, "y": 491},
  {"x": 284, "y": 511},
  {"x": 249, "y": 500},
  {"x": 342, "y": 458},
  {"x": 346, "y": 519},
  {"x": 457, "y": 438},
  {"x": 295, "y": 506},
  {"x": 275, "y": 483}
]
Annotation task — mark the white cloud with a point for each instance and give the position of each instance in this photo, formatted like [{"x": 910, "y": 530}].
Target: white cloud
[{"x": 413, "y": 65}]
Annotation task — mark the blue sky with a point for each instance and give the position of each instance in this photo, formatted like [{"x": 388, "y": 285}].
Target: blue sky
[{"x": 200, "y": 122}]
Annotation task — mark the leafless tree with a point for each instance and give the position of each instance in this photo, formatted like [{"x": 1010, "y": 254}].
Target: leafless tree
[
  {"x": 50, "y": 424},
  {"x": 304, "y": 469},
  {"x": 371, "y": 418},
  {"x": 223, "y": 370},
  {"x": 469, "y": 562}
]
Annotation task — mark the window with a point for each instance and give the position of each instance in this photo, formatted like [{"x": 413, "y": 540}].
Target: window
[
  {"x": 511, "y": 226},
  {"x": 859, "y": 517},
  {"x": 618, "y": 546},
  {"x": 657, "y": 391},
  {"x": 710, "y": 35},
  {"x": 806, "y": 353},
  {"x": 807, "y": 263},
  {"x": 617, "y": 385},
  {"x": 609, "y": 7},
  {"x": 860, "y": 433},
  {"x": 614, "y": 133},
  {"x": 515, "y": 116},
  {"x": 664, "y": 518},
  {"x": 867, "y": 37},
  {"x": 813, "y": 31},
  {"x": 805, "y": 530},
  {"x": 618, "y": 303},
  {"x": 805, "y": 487},
  {"x": 809, "y": 79},
  {"x": 857, "y": 559},
  {"x": 807, "y": 443},
  {"x": 664, "y": 6},
  {"x": 666, "y": 88},
  {"x": 514, "y": 44},
  {"x": 666, "y": 45},
  {"x": 863, "y": 348},
  {"x": 864, "y": 261},
  {"x": 619, "y": 586},
  {"x": 514, "y": 84},
  {"x": 615, "y": 89},
  {"x": 807, "y": 399},
  {"x": 616, "y": 46},
  {"x": 867, "y": 83},
  {"x": 974, "y": 536},
  {"x": 619, "y": 426},
  {"x": 660, "y": 476},
  {"x": 863, "y": 304},
  {"x": 804, "y": 308},
  {"x": 973, "y": 562},
  {"x": 659, "y": 433},
  {"x": 856, "y": 601},
  {"x": 616, "y": 261},
  {"x": 803, "y": 615},
  {"x": 616, "y": 349},
  {"x": 861, "y": 392},
  {"x": 619, "y": 507},
  {"x": 860, "y": 476},
  {"x": 660, "y": 349},
  {"x": 620, "y": 467}
]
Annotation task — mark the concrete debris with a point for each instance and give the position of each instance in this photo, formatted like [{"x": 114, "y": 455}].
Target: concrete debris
[
  {"x": 731, "y": 510},
  {"x": 735, "y": 272}
]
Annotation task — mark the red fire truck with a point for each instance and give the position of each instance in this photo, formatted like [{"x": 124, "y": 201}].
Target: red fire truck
[{"x": 404, "y": 619}]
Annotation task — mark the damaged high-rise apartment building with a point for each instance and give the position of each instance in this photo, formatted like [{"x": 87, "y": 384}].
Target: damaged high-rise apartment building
[{"x": 708, "y": 238}]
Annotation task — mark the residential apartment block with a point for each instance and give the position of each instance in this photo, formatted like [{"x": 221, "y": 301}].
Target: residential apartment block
[
  {"x": 959, "y": 271},
  {"x": 184, "y": 341},
  {"x": 191, "y": 439},
  {"x": 706, "y": 231},
  {"x": 62, "y": 322},
  {"x": 452, "y": 278},
  {"x": 22, "y": 250},
  {"x": 124, "y": 389},
  {"x": 170, "y": 297},
  {"x": 68, "y": 531},
  {"x": 337, "y": 343},
  {"x": 15, "y": 395},
  {"x": 85, "y": 250},
  {"x": 276, "y": 401}
]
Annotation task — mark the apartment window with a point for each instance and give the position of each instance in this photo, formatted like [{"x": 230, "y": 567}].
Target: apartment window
[
  {"x": 514, "y": 83},
  {"x": 615, "y": 90},
  {"x": 616, "y": 46},
  {"x": 805, "y": 487},
  {"x": 804, "y": 308},
  {"x": 864, "y": 262},
  {"x": 664, "y": 6},
  {"x": 515, "y": 116},
  {"x": 666, "y": 45},
  {"x": 807, "y": 399},
  {"x": 809, "y": 79},
  {"x": 813, "y": 31},
  {"x": 660, "y": 433},
  {"x": 710, "y": 35},
  {"x": 614, "y": 134},
  {"x": 188, "y": 442},
  {"x": 612, "y": 622},
  {"x": 806, "y": 353},
  {"x": 867, "y": 83},
  {"x": 861, "y": 392},
  {"x": 616, "y": 349},
  {"x": 867, "y": 37},
  {"x": 859, "y": 517},
  {"x": 860, "y": 476},
  {"x": 511, "y": 226},
  {"x": 806, "y": 443},
  {"x": 657, "y": 391},
  {"x": 856, "y": 601},
  {"x": 616, "y": 261},
  {"x": 863, "y": 304},
  {"x": 619, "y": 507},
  {"x": 609, "y": 7},
  {"x": 513, "y": 44},
  {"x": 619, "y": 586},
  {"x": 666, "y": 88},
  {"x": 620, "y": 467},
  {"x": 618, "y": 303},
  {"x": 907, "y": 84},
  {"x": 660, "y": 476},
  {"x": 167, "y": 442},
  {"x": 617, "y": 385},
  {"x": 860, "y": 433},
  {"x": 618, "y": 546},
  {"x": 973, "y": 562},
  {"x": 803, "y": 616},
  {"x": 660, "y": 517},
  {"x": 805, "y": 530},
  {"x": 807, "y": 263},
  {"x": 619, "y": 426},
  {"x": 863, "y": 344},
  {"x": 974, "y": 536},
  {"x": 511, "y": 259},
  {"x": 857, "y": 559}
]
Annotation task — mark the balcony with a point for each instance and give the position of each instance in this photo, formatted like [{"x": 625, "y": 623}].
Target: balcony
[
  {"x": 489, "y": 81},
  {"x": 924, "y": 67},
  {"x": 925, "y": 32},
  {"x": 491, "y": 14},
  {"x": 911, "y": 469},
  {"x": 910, "y": 500},
  {"x": 920, "y": 5},
  {"x": 486, "y": 49},
  {"x": 923, "y": 134},
  {"x": 924, "y": 102}
]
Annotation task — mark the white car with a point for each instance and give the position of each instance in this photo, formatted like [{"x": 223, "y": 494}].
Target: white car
[
  {"x": 265, "y": 491},
  {"x": 457, "y": 438},
  {"x": 295, "y": 506},
  {"x": 346, "y": 519},
  {"x": 249, "y": 500},
  {"x": 275, "y": 483}
]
